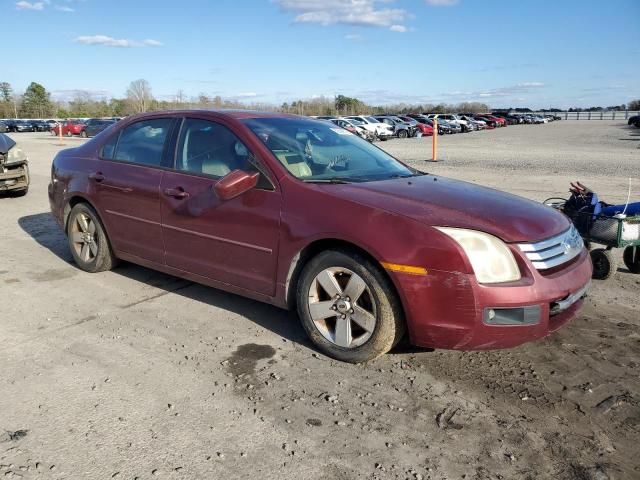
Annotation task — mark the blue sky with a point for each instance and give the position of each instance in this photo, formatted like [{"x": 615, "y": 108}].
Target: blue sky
[{"x": 507, "y": 53}]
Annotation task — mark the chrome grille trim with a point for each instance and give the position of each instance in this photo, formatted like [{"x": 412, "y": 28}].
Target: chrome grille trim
[{"x": 554, "y": 251}]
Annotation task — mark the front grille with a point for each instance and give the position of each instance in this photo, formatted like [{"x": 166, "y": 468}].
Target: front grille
[{"x": 554, "y": 251}]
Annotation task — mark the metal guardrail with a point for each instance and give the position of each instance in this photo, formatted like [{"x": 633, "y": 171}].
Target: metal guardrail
[{"x": 604, "y": 115}]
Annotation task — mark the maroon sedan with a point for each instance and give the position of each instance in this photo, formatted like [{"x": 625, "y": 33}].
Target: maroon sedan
[{"x": 303, "y": 214}]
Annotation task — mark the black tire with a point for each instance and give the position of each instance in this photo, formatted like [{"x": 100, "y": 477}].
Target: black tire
[
  {"x": 83, "y": 134},
  {"x": 631, "y": 259},
  {"x": 69, "y": 134},
  {"x": 604, "y": 264},
  {"x": 402, "y": 134},
  {"x": 390, "y": 324},
  {"x": 103, "y": 259}
]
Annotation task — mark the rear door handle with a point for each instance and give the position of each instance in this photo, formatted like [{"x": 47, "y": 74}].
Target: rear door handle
[
  {"x": 176, "y": 192},
  {"x": 96, "y": 176}
]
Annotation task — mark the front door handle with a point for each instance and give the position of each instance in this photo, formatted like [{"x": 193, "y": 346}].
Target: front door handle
[
  {"x": 96, "y": 177},
  {"x": 176, "y": 192}
]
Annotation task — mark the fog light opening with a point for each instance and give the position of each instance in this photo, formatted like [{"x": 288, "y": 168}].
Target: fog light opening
[{"x": 513, "y": 316}]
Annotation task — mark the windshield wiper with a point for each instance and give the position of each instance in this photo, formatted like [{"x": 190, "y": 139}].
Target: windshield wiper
[
  {"x": 325, "y": 180},
  {"x": 415, "y": 174}
]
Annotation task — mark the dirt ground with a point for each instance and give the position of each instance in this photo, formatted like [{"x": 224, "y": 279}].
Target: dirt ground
[{"x": 135, "y": 374}]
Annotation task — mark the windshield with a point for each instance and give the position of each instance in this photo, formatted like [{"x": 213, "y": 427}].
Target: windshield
[
  {"x": 355, "y": 121},
  {"x": 372, "y": 120},
  {"x": 315, "y": 151}
]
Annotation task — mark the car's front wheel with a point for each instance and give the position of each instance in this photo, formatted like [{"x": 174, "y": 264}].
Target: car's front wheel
[
  {"x": 348, "y": 307},
  {"x": 88, "y": 240}
]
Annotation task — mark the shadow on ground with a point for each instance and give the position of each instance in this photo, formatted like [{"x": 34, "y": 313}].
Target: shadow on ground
[{"x": 43, "y": 229}]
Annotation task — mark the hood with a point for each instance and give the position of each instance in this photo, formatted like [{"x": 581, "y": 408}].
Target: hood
[
  {"x": 5, "y": 143},
  {"x": 439, "y": 201}
]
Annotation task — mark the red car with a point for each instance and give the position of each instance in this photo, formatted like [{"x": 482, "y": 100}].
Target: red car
[
  {"x": 69, "y": 128},
  {"x": 500, "y": 122},
  {"x": 302, "y": 214},
  {"x": 424, "y": 129}
]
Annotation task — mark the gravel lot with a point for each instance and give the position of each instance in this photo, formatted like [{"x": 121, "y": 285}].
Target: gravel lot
[{"x": 135, "y": 374}]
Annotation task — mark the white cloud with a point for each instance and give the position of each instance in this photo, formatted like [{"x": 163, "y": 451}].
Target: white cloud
[
  {"x": 149, "y": 42},
  {"x": 509, "y": 91},
  {"x": 107, "y": 41},
  {"x": 530, "y": 85},
  {"x": 24, "y": 5},
  {"x": 441, "y": 3},
  {"x": 30, "y": 5},
  {"x": 398, "y": 28},
  {"x": 353, "y": 37},
  {"x": 104, "y": 40},
  {"x": 368, "y": 13}
]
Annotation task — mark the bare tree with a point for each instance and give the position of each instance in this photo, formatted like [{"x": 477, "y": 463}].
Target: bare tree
[{"x": 139, "y": 95}]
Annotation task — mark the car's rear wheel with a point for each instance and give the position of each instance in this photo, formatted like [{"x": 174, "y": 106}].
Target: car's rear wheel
[
  {"x": 402, "y": 134},
  {"x": 348, "y": 307},
  {"x": 69, "y": 134},
  {"x": 88, "y": 241}
]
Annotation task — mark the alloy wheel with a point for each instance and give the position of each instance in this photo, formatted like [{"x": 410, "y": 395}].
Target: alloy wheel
[
  {"x": 83, "y": 236},
  {"x": 342, "y": 307}
]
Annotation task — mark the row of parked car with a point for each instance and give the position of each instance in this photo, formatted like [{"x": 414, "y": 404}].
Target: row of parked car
[
  {"x": 383, "y": 127},
  {"x": 81, "y": 128},
  {"x": 370, "y": 127}
]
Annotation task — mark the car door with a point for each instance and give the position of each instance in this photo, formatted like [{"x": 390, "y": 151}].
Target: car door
[
  {"x": 127, "y": 184},
  {"x": 233, "y": 241}
]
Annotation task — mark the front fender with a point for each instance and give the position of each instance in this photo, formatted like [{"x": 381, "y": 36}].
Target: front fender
[{"x": 387, "y": 237}]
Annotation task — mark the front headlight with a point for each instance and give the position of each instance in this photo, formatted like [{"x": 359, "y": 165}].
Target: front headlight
[
  {"x": 15, "y": 155},
  {"x": 491, "y": 259}
]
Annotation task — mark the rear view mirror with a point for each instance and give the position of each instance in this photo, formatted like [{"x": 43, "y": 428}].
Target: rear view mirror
[{"x": 235, "y": 184}]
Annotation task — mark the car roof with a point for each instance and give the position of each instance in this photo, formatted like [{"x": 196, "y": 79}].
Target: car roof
[{"x": 234, "y": 114}]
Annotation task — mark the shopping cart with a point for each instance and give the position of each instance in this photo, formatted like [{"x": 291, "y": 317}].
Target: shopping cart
[{"x": 618, "y": 231}]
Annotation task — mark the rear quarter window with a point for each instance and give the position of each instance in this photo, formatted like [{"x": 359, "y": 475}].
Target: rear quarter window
[{"x": 109, "y": 148}]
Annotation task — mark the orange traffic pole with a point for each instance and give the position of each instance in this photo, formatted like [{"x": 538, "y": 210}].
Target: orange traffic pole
[{"x": 434, "y": 143}]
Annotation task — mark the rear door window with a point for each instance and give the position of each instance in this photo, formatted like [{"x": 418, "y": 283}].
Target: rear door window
[{"x": 143, "y": 142}]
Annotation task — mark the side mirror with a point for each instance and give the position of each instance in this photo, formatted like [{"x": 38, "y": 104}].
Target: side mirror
[{"x": 235, "y": 184}]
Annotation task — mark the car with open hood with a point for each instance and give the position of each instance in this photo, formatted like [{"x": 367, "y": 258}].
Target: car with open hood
[
  {"x": 305, "y": 215},
  {"x": 14, "y": 167},
  {"x": 380, "y": 129}
]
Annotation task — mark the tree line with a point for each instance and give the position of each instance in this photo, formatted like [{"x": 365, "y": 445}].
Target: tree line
[{"x": 36, "y": 102}]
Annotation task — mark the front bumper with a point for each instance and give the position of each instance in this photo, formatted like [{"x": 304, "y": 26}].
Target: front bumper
[
  {"x": 14, "y": 178},
  {"x": 448, "y": 309}
]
